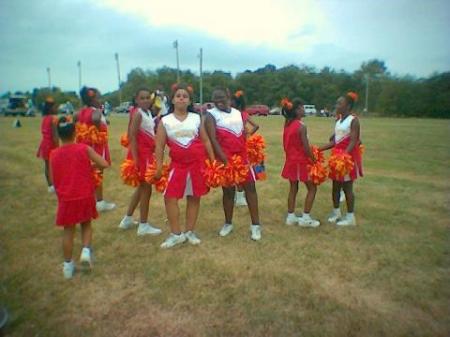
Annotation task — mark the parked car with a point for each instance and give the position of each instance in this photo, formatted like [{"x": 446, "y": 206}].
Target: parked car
[
  {"x": 275, "y": 111},
  {"x": 122, "y": 108},
  {"x": 310, "y": 109},
  {"x": 202, "y": 108},
  {"x": 17, "y": 105},
  {"x": 258, "y": 110}
]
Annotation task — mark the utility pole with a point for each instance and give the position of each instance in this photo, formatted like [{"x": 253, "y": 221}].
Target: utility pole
[
  {"x": 79, "y": 74},
  {"x": 366, "y": 108},
  {"x": 175, "y": 45},
  {"x": 49, "y": 78},
  {"x": 116, "y": 55},
  {"x": 201, "y": 77}
]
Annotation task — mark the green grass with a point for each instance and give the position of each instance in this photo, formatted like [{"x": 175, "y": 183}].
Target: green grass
[{"x": 389, "y": 276}]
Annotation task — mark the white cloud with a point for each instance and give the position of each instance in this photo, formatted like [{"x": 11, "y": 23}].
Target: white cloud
[{"x": 283, "y": 24}]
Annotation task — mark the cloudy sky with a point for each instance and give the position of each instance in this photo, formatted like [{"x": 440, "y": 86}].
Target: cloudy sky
[{"x": 411, "y": 36}]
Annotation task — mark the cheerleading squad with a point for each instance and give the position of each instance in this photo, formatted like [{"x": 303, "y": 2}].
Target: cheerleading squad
[{"x": 218, "y": 149}]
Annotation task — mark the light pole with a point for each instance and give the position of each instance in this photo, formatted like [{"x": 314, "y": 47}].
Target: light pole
[
  {"x": 116, "y": 55},
  {"x": 49, "y": 78},
  {"x": 175, "y": 45},
  {"x": 201, "y": 77},
  {"x": 79, "y": 74},
  {"x": 366, "y": 108}
]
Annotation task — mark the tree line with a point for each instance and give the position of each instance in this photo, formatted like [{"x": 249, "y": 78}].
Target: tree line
[{"x": 389, "y": 95}]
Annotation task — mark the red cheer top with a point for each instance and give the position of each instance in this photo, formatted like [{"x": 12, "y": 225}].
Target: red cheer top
[
  {"x": 230, "y": 132},
  {"x": 72, "y": 172},
  {"x": 47, "y": 144},
  {"x": 292, "y": 143}
]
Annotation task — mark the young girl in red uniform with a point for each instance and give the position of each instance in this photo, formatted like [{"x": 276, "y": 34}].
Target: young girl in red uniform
[
  {"x": 226, "y": 131},
  {"x": 91, "y": 115},
  {"x": 49, "y": 140},
  {"x": 142, "y": 146},
  {"x": 185, "y": 135},
  {"x": 298, "y": 156},
  {"x": 238, "y": 102},
  {"x": 71, "y": 173},
  {"x": 346, "y": 137}
]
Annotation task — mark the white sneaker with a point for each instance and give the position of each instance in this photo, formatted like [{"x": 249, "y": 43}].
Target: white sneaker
[
  {"x": 146, "y": 228},
  {"x": 86, "y": 258},
  {"x": 308, "y": 222},
  {"x": 173, "y": 240},
  {"x": 342, "y": 196},
  {"x": 104, "y": 206},
  {"x": 292, "y": 219},
  {"x": 348, "y": 220},
  {"x": 192, "y": 238},
  {"x": 127, "y": 222},
  {"x": 239, "y": 199},
  {"x": 226, "y": 229},
  {"x": 256, "y": 232},
  {"x": 334, "y": 216},
  {"x": 51, "y": 189},
  {"x": 68, "y": 269}
]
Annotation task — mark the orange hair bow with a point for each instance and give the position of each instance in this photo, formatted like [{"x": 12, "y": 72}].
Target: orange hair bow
[
  {"x": 353, "y": 96},
  {"x": 286, "y": 103}
]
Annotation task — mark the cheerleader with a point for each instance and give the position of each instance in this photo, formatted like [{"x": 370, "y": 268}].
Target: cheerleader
[
  {"x": 141, "y": 135},
  {"x": 91, "y": 115},
  {"x": 346, "y": 137},
  {"x": 298, "y": 156},
  {"x": 185, "y": 135},
  {"x": 49, "y": 140},
  {"x": 238, "y": 102},
  {"x": 72, "y": 177},
  {"x": 226, "y": 131}
]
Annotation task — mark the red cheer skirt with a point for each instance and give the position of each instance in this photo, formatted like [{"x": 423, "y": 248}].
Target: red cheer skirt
[{"x": 71, "y": 212}]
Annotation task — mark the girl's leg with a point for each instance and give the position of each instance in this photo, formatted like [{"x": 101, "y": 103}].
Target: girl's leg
[
  {"x": 192, "y": 209},
  {"x": 252, "y": 201},
  {"x": 173, "y": 214},
  {"x": 86, "y": 234},
  {"x": 349, "y": 196},
  {"x": 310, "y": 196},
  {"x": 228, "y": 203},
  {"x": 99, "y": 189},
  {"x": 135, "y": 198},
  {"x": 46, "y": 172},
  {"x": 67, "y": 242},
  {"x": 335, "y": 196},
  {"x": 145, "y": 192},
  {"x": 336, "y": 193},
  {"x": 293, "y": 190}
]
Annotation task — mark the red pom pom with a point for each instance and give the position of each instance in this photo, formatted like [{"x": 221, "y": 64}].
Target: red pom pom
[
  {"x": 340, "y": 164},
  {"x": 98, "y": 177},
  {"x": 161, "y": 183},
  {"x": 214, "y": 173},
  {"x": 129, "y": 173},
  {"x": 255, "y": 149},
  {"x": 318, "y": 173},
  {"x": 124, "y": 140},
  {"x": 318, "y": 155}
]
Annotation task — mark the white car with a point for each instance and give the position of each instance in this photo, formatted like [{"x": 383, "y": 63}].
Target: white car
[{"x": 310, "y": 109}]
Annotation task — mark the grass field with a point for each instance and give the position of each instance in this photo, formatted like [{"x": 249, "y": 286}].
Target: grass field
[{"x": 389, "y": 276}]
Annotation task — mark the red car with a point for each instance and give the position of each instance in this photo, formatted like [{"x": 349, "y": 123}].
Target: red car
[{"x": 258, "y": 110}]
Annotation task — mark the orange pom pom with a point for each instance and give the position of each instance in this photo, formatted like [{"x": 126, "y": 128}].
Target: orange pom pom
[
  {"x": 353, "y": 96},
  {"x": 235, "y": 171},
  {"x": 318, "y": 155},
  {"x": 362, "y": 149},
  {"x": 124, "y": 140},
  {"x": 161, "y": 183},
  {"x": 214, "y": 173},
  {"x": 98, "y": 177},
  {"x": 129, "y": 173},
  {"x": 340, "y": 164},
  {"x": 238, "y": 93},
  {"x": 255, "y": 149},
  {"x": 318, "y": 173},
  {"x": 286, "y": 103}
]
